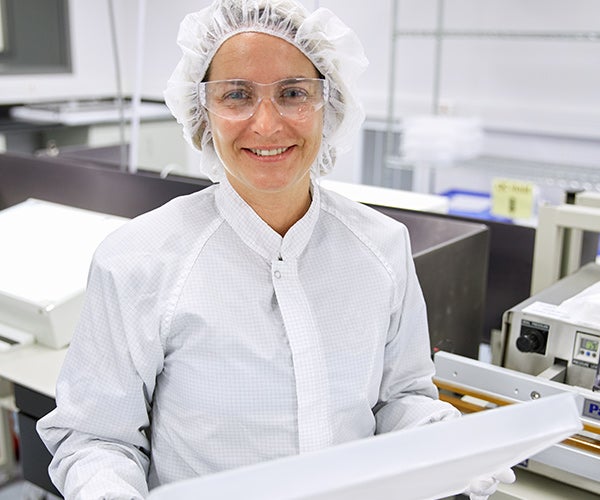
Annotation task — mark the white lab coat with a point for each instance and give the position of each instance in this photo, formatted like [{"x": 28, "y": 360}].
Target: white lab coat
[{"x": 208, "y": 341}]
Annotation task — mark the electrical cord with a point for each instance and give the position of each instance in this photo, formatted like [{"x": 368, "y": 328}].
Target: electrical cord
[{"x": 118, "y": 78}]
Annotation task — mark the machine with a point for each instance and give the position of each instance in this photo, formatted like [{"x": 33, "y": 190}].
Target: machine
[
  {"x": 556, "y": 333},
  {"x": 555, "y": 336},
  {"x": 549, "y": 344},
  {"x": 472, "y": 385},
  {"x": 43, "y": 270}
]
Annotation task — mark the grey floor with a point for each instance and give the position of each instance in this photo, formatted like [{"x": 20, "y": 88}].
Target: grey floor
[
  {"x": 13, "y": 487},
  {"x": 12, "y": 491},
  {"x": 22, "y": 490}
]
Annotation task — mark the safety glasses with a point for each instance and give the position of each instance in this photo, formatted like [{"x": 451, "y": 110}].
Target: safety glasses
[{"x": 293, "y": 98}]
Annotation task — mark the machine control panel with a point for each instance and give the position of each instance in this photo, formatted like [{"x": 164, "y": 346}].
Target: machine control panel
[{"x": 586, "y": 351}]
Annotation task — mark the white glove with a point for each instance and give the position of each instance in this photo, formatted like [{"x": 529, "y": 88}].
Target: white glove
[{"x": 482, "y": 487}]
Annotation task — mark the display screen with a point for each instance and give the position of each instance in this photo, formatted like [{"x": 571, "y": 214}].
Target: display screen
[
  {"x": 589, "y": 345},
  {"x": 34, "y": 37}
]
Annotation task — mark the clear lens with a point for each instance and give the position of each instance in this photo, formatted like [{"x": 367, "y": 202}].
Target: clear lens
[{"x": 294, "y": 98}]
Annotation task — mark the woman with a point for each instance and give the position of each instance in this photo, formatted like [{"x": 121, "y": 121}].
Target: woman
[{"x": 260, "y": 317}]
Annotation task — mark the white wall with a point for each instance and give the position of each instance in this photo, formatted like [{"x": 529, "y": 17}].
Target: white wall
[
  {"x": 549, "y": 79},
  {"x": 538, "y": 99},
  {"x": 162, "y": 52},
  {"x": 546, "y": 88}
]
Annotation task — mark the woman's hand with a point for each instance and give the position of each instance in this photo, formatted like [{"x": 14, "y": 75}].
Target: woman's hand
[{"x": 482, "y": 487}]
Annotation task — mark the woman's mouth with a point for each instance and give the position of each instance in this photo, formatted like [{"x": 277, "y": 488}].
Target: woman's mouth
[{"x": 268, "y": 152}]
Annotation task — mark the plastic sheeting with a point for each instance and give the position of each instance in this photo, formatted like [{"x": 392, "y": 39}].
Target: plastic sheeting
[{"x": 427, "y": 462}]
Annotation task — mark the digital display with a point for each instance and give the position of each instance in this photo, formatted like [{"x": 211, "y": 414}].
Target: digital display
[{"x": 589, "y": 345}]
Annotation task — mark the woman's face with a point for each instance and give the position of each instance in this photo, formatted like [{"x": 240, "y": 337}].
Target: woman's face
[{"x": 266, "y": 153}]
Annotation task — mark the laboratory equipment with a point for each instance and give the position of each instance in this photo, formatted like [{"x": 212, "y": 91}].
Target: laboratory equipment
[
  {"x": 44, "y": 259},
  {"x": 559, "y": 239},
  {"x": 549, "y": 344},
  {"x": 555, "y": 333}
]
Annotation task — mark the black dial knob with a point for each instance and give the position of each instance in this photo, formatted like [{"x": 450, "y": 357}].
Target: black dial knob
[{"x": 531, "y": 341}]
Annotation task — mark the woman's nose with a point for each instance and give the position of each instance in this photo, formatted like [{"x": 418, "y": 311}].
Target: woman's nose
[{"x": 266, "y": 119}]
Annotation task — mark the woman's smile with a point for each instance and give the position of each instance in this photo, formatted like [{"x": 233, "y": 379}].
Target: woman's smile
[{"x": 270, "y": 152}]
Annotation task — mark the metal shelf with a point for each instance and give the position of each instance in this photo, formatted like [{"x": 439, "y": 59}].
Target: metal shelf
[
  {"x": 567, "y": 176},
  {"x": 563, "y": 176},
  {"x": 440, "y": 33},
  {"x": 575, "y": 36}
]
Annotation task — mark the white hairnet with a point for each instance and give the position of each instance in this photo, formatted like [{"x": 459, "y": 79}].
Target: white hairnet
[{"x": 331, "y": 46}]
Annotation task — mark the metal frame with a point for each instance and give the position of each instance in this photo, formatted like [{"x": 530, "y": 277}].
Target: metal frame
[
  {"x": 440, "y": 33},
  {"x": 555, "y": 256},
  {"x": 467, "y": 380},
  {"x": 7, "y": 453}
]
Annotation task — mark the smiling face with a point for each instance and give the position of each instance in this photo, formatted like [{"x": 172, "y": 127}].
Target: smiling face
[{"x": 266, "y": 155}]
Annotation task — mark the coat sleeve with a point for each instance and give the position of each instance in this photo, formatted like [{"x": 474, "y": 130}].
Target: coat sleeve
[
  {"x": 98, "y": 433},
  {"x": 407, "y": 396}
]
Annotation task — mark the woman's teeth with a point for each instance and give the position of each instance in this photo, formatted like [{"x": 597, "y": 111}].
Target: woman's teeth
[{"x": 268, "y": 152}]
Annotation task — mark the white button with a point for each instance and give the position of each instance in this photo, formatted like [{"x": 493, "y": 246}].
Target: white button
[{"x": 277, "y": 274}]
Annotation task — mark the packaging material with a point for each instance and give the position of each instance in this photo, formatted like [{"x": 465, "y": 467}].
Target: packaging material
[
  {"x": 584, "y": 307},
  {"x": 440, "y": 141},
  {"x": 428, "y": 462}
]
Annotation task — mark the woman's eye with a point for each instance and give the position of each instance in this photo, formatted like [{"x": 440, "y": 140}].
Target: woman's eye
[
  {"x": 236, "y": 95},
  {"x": 294, "y": 94}
]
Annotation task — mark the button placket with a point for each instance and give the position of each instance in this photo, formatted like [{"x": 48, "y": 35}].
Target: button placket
[
  {"x": 281, "y": 268},
  {"x": 309, "y": 366}
]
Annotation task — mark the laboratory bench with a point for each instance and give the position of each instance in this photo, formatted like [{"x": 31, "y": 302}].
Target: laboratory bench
[
  {"x": 26, "y": 137},
  {"x": 49, "y": 128}
]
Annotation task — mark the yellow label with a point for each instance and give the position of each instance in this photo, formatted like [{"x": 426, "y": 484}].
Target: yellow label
[{"x": 514, "y": 199}]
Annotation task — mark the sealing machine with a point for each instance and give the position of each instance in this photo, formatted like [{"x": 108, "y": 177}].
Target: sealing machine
[{"x": 549, "y": 344}]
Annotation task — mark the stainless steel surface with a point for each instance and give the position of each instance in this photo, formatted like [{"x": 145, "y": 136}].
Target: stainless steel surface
[{"x": 451, "y": 259}]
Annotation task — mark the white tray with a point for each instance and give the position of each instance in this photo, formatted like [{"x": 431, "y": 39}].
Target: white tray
[{"x": 427, "y": 462}]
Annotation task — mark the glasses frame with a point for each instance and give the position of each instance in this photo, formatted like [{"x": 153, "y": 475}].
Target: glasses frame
[{"x": 202, "y": 94}]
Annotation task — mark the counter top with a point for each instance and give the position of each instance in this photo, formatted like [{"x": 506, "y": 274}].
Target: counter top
[
  {"x": 35, "y": 367},
  {"x": 72, "y": 113},
  {"x": 387, "y": 197}
]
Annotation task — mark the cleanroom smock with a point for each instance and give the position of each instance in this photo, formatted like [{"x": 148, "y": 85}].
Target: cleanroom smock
[{"x": 208, "y": 341}]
